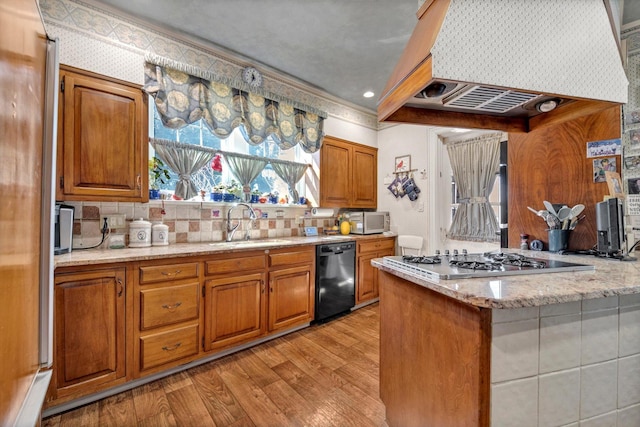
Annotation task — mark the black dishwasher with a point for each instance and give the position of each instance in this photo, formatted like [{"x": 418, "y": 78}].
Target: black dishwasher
[{"x": 335, "y": 280}]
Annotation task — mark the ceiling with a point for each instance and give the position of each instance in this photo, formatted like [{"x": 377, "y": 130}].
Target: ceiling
[{"x": 342, "y": 47}]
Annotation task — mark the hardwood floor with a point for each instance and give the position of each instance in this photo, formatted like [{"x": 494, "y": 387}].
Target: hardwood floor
[{"x": 324, "y": 375}]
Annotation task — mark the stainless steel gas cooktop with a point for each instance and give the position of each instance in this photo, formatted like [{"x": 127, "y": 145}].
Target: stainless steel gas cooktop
[{"x": 488, "y": 264}]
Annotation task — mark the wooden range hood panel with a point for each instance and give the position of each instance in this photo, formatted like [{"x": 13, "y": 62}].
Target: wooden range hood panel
[{"x": 414, "y": 72}]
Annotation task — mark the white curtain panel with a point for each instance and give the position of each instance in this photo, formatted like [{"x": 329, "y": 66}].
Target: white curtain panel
[
  {"x": 475, "y": 163},
  {"x": 246, "y": 169},
  {"x": 290, "y": 173},
  {"x": 184, "y": 160}
]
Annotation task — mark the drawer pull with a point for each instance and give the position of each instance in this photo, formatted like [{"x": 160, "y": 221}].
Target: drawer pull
[
  {"x": 121, "y": 286},
  {"x": 173, "y": 307},
  {"x": 175, "y": 347},
  {"x": 164, "y": 273}
]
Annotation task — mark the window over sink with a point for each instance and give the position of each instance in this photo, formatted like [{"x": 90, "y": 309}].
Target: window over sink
[{"x": 267, "y": 182}]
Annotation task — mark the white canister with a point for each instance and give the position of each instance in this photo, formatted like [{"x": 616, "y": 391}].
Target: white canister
[
  {"x": 139, "y": 234},
  {"x": 159, "y": 234}
]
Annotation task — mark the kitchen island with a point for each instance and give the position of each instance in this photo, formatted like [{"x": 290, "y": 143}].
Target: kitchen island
[{"x": 541, "y": 350}]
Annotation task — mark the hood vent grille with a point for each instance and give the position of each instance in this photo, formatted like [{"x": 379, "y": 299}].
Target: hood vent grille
[{"x": 490, "y": 99}]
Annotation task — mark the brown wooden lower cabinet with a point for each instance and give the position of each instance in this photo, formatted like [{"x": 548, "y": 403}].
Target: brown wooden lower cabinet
[
  {"x": 291, "y": 297},
  {"x": 367, "y": 275},
  {"x": 257, "y": 293},
  {"x": 167, "y": 296},
  {"x": 234, "y": 312},
  {"x": 90, "y": 332},
  {"x": 175, "y": 311}
]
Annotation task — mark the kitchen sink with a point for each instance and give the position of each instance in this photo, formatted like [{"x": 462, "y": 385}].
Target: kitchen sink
[{"x": 252, "y": 243}]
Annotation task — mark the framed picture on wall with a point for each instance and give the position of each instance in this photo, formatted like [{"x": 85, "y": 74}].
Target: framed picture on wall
[
  {"x": 601, "y": 166},
  {"x": 403, "y": 164},
  {"x": 615, "y": 184}
]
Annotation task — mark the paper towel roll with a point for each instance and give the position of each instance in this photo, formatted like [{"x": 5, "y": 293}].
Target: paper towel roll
[{"x": 321, "y": 212}]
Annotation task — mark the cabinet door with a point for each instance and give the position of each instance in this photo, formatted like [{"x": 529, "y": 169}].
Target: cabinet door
[
  {"x": 365, "y": 171},
  {"x": 235, "y": 310},
  {"x": 367, "y": 278},
  {"x": 104, "y": 138},
  {"x": 335, "y": 173},
  {"x": 90, "y": 330},
  {"x": 291, "y": 296}
]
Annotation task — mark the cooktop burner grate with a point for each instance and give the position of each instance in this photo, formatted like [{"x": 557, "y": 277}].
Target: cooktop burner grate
[{"x": 459, "y": 266}]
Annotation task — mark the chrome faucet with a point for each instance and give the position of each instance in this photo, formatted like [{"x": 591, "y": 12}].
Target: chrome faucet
[{"x": 232, "y": 229}]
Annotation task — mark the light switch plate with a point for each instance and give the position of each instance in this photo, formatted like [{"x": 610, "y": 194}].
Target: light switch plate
[{"x": 116, "y": 220}]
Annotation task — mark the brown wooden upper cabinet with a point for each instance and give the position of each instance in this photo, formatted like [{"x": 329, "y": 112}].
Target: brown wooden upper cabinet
[
  {"x": 348, "y": 174},
  {"x": 102, "y": 139}
]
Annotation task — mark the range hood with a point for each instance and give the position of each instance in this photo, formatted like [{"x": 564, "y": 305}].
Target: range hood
[{"x": 514, "y": 65}]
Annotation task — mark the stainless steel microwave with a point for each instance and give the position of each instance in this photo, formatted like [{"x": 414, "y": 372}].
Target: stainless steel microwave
[{"x": 369, "y": 222}]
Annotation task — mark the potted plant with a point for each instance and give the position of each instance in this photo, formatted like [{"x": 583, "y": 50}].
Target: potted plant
[
  {"x": 217, "y": 192},
  {"x": 255, "y": 195},
  {"x": 158, "y": 174},
  {"x": 234, "y": 191}
]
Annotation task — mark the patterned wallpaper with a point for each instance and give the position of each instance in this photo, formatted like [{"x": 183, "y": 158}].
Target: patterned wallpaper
[
  {"x": 516, "y": 44},
  {"x": 100, "y": 41}
]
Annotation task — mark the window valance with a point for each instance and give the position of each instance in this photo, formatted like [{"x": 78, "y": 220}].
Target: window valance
[
  {"x": 187, "y": 159},
  {"x": 184, "y": 95}
]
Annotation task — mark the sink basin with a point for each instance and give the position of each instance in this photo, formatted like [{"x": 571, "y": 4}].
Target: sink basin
[{"x": 250, "y": 243}]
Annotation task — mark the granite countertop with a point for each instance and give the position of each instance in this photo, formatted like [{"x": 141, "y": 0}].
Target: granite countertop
[
  {"x": 106, "y": 256},
  {"x": 610, "y": 277}
]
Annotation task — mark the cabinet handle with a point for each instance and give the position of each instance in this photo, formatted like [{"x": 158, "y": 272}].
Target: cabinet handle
[
  {"x": 121, "y": 286},
  {"x": 271, "y": 286},
  {"x": 139, "y": 181},
  {"x": 164, "y": 273},
  {"x": 175, "y": 347},
  {"x": 262, "y": 286},
  {"x": 173, "y": 307}
]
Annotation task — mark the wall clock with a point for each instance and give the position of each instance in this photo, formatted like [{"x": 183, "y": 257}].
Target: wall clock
[{"x": 252, "y": 77}]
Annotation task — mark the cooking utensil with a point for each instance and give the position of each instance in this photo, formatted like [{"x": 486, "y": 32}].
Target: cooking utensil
[
  {"x": 539, "y": 213},
  {"x": 549, "y": 207},
  {"x": 577, "y": 210},
  {"x": 575, "y": 222},
  {"x": 552, "y": 221},
  {"x": 564, "y": 215},
  {"x": 572, "y": 221}
]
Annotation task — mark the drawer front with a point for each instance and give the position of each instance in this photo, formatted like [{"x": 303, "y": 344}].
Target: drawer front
[
  {"x": 171, "y": 304},
  {"x": 376, "y": 245},
  {"x": 236, "y": 264},
  {"x": 164, "y": 273},
  {"x": 165, "y": 347},
  {"x": 288, "y": 258}
]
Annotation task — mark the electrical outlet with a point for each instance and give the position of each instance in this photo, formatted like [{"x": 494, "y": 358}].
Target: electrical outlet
[{"x": 115, "y": 220}]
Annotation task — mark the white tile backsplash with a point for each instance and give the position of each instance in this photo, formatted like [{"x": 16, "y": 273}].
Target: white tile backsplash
[
  {"x": 599, "y": 335},
  {"x": 629, "y": 338},
  {"x": 514, "y": 350},
  {"x": 629, "y": 417},
  {"x": 626, "y": 300},
  {"x": 598, "y": 389},
  {"x": 628, "y": 381},
  {"x": 515, "y": 403},
  {"x": 605, "y": 420},
  {"x": 141, "y": 210},
  {"x": 599, "y": 303},
  {"x": 559, "y": 398},
  {"x": 559, "y": 342},
  {"x": 588, "y": 363},
  {"x": 560, "y": 309},
  {"x": 513, "y": 315}
]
